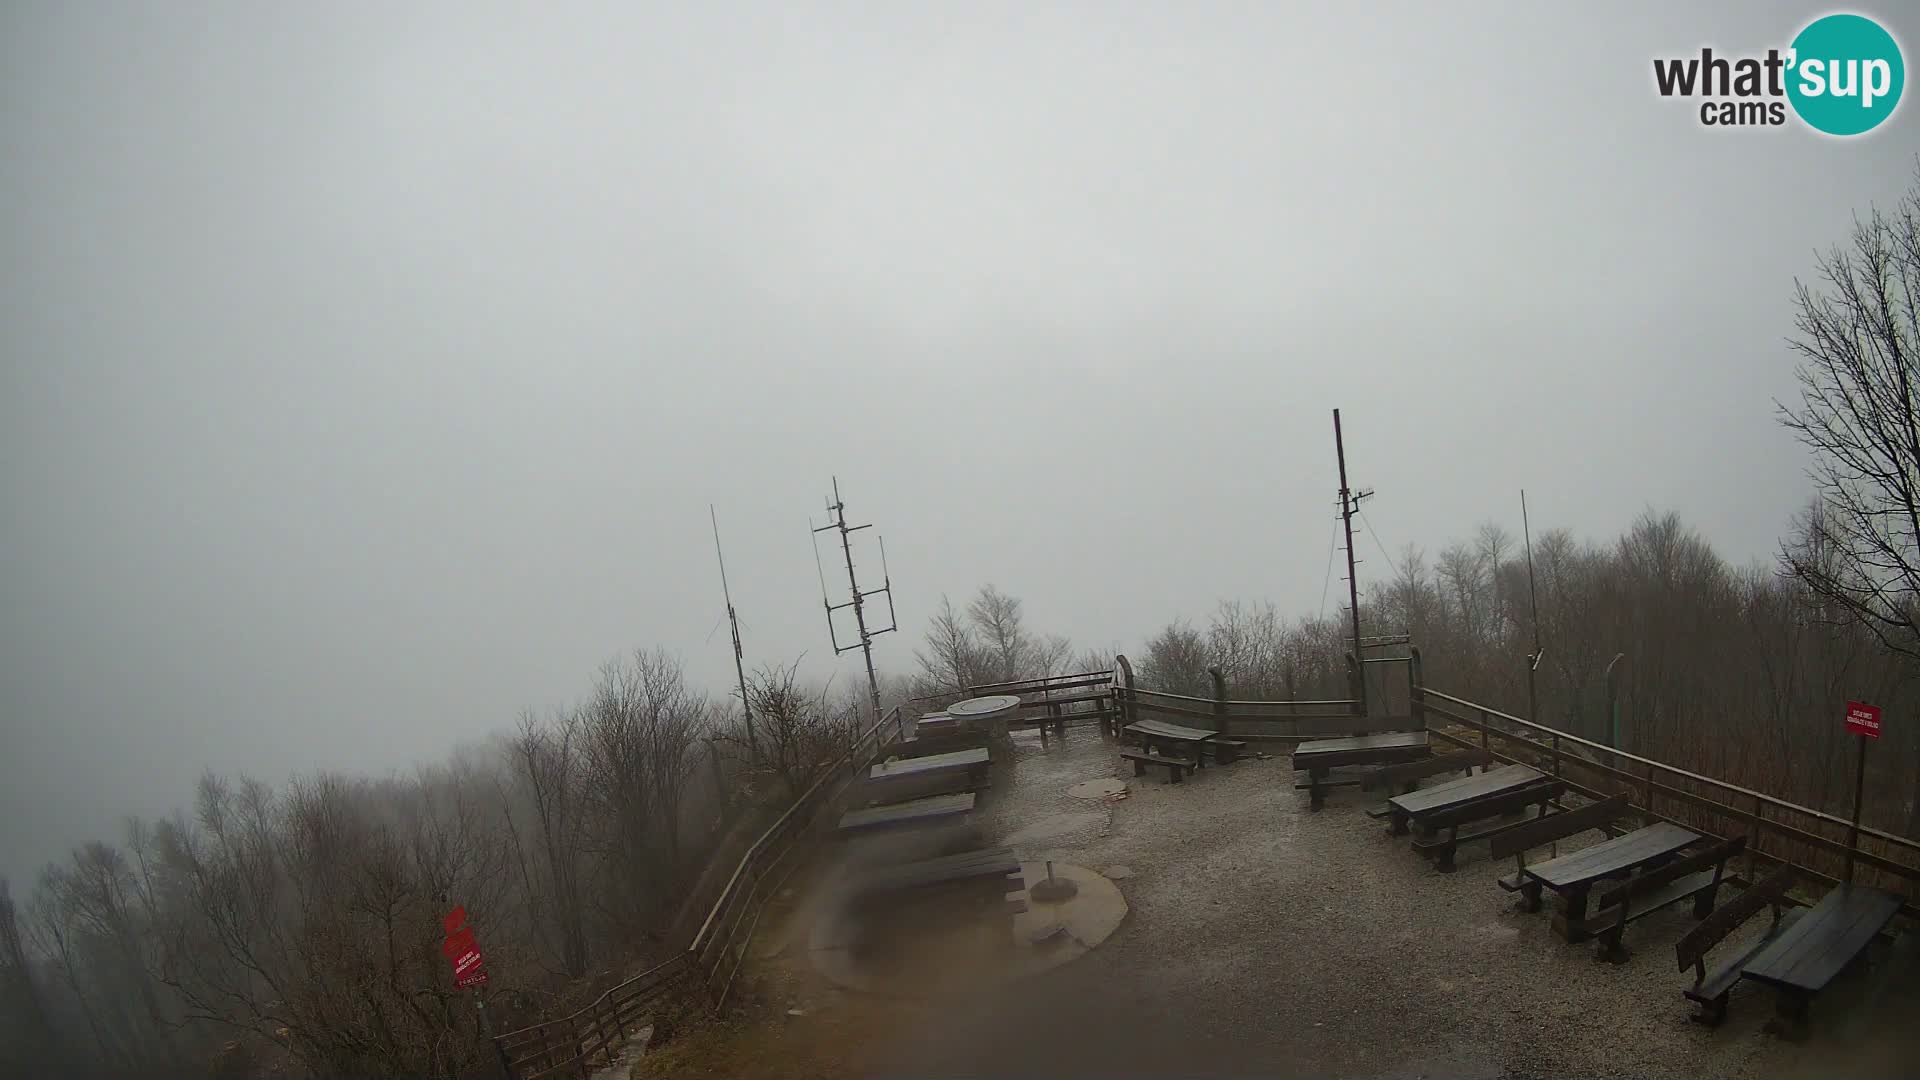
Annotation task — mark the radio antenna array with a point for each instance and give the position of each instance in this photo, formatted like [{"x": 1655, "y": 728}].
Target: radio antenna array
[{"x": 837, "y": 514}]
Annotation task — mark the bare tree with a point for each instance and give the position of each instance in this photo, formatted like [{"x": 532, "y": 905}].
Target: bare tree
[
  {"x": 549, "y": 765},
  {"x": 1859, "y": 342},
  {"x": 799, "y": 730}
]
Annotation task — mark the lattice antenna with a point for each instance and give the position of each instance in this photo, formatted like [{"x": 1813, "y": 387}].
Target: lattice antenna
[{"x": 837, "y": 512}]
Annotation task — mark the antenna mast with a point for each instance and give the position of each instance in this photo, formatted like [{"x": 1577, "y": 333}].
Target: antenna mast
[
  {"x": 838, "y": 510},
  {"x": 1349, "y": 505},
  {"x": 1533, "y": 602},
  {"x": 739, "y": 655}
]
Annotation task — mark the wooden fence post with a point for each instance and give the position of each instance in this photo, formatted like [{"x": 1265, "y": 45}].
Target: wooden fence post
[
  {"x": 1416, "y": 688},
  {"x": 1123, "y": 696},
  {"x": 1219, "y": 700}
]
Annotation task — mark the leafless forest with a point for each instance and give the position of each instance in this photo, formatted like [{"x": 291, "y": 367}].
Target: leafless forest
[{"x": 302, "y": 922}]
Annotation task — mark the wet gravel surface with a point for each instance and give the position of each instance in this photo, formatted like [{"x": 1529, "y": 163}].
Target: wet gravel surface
[{"x": 1264, "y": 939}]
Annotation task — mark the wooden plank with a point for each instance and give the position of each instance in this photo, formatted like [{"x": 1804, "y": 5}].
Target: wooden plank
[
  {"x": 932, "y": 763},
  {"x": 1560, "y": 826},
  {"x": 1504, "y": 802},
  {"x": 1651, "y": 881},
  {"x": 1163, "y": 730},
  {"x": 1695, "y": 943},
  {"x": 1388, "y": 777},
  {"x": 1826, "y": 939},
  {"x": 1613, "y": 857},
  {"x": 968, "y": 865},
  {"x": 919, "y": 811},
  {"x": 1465, "y": 789}
]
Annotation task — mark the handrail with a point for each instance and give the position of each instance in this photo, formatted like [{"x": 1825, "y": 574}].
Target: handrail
[
  {"x": 826, "y": 772},
  {"x": 1040, "y": 681},
  {"x": 1343, "y": 703},
  {"x": 533, "y": 1042},
  {"x": 1673, "y": 770}
]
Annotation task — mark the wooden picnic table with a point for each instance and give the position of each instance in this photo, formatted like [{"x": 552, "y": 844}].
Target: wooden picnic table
[
  {"x": 930, "y": 810},
  {"x": 1412, "y": 806},
  {"x": 984, "y": 865},
  {"x": 1360, "y": 750},
  {"x": 968, "y": 761},
  {"x": 1185, "y": 741},
  {"x": 1318, "y": 757},
  {"x": 1820, "y": 944},
  {"x": 1572, "y": 877}
]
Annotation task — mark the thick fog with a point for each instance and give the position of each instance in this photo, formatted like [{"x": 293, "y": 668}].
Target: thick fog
[{"x": 368, "y": 373}]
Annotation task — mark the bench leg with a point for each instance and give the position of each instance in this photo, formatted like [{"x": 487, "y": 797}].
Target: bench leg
[
  {"x": 1703, "y": 901},
  {"x": 1790, "y": 1016},
  {"x": 1530, "y": 897},
  {"x": 1397, "y": 824},
  {"x": 1611, "y": 948},
  {"x": 1571, "y": 920},
  {"x": 1317, "y": 794},
  {"x": 1175, "y": 774},
  {"x": 1713, "y": 1013},
  {"x": 1139, "y": 767},
  {"x": 1445, "y": 863}
]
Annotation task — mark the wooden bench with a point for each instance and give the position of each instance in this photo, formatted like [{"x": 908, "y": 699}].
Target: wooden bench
[
  {"x": 1443, "y": 826},
  {"x": 1225, "y": 751},
  {"x": 1319, "y": 757},
  {"x": 1696, "y": 877},
  {"x": 1710, "y": 989},
  {"x": 1176, "y": 767},
  {"x": 1822, "y": 943},
  {"x": 1544, "y": 830}
]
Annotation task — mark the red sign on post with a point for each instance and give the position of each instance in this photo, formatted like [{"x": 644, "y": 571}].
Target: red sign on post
[
  {"x": 463, "y": 951},
  {"x": 1863, "y": 719}
]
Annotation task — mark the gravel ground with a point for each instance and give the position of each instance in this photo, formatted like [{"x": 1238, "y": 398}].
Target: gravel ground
[{"x": 1265, "y": 939}]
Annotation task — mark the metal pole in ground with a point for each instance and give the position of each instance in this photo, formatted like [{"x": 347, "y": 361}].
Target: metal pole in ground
[{"x": 1853, "y": 829}]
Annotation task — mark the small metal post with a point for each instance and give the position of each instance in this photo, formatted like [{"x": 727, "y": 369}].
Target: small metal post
[
  {"x": 1485, "y": 746},
  {"x": 1753, "y": 841}
]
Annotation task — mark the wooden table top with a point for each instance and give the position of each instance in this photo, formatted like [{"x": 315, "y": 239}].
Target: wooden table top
[
  {"x": 1162, "y": 730},
  {"x": 932, "y": 763},
  {"x": 985, "y": 863},
  {"x": 928, "y": 809},
  {"x": 1466, "y": 789},
  {"x": 1397, "y": 740},
  {"x": 1808, "y": 954},
  {"x": 1611, "y": 858}
]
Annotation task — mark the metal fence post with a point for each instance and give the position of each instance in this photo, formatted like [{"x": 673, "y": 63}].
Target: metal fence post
[
  {"x": 1219, "y": 699},
  {"x": 1416, "y": 688},
  {"x": 1486, "y": 747}
]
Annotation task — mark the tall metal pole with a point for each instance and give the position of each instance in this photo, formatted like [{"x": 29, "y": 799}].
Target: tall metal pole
[
  {"x": 739, "y": 655},
  {"x": 839, "y": 511},
  {"x": 1533, "y": 601},
  {"x": 1853, "y": 827},
  {"x": 1348, "y": 501}
]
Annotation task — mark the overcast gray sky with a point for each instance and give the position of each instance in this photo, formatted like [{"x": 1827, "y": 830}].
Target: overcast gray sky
[{"x": 367, "y": 373}]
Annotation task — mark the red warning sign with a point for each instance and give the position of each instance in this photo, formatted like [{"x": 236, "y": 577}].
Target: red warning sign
[{"x": 1863, "y": 719}]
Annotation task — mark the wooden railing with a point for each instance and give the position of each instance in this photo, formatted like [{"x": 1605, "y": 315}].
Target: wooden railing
[
  {"x": 1250, "y": 719},
  {"x": 573, "y": 1044},
  {"x": 1777, "y": 831}
]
